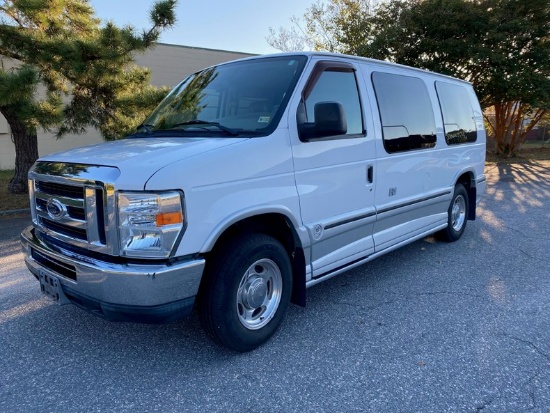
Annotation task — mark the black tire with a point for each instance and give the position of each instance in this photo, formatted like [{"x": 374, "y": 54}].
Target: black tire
[
  {"x": 246, "y": 291},
  {"x": 457, "y": 215}
]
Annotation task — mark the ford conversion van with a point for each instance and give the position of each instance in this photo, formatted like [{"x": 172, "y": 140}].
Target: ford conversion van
[{"x": 252, "y": 181}]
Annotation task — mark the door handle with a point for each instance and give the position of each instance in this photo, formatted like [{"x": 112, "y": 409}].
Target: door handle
[{"x": 370, "y": 174}]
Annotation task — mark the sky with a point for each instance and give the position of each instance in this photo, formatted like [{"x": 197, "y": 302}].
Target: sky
[{"x": 234, "y": 25}]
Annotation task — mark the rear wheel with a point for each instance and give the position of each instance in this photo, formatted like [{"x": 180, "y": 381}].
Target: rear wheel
[
  {"x": 246, "y": 291},
  {"x": 457, "y": 215}
]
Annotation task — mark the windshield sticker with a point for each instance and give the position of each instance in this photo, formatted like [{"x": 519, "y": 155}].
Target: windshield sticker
[{"x": 264, "y": 119}]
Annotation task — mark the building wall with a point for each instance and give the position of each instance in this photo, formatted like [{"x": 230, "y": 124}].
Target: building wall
[{"x": 169, "y": 65}]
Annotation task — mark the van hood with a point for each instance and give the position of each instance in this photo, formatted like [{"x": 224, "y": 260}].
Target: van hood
[{"x": 139, "y": 158}]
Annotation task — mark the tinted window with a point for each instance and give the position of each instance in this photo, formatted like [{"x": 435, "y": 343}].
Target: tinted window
[
  {"x": 338, "y": 86},
  {"x": 405, "y": 112},
  {"x": 247, "y": 96},
  {"x": 458, "y": 115}
]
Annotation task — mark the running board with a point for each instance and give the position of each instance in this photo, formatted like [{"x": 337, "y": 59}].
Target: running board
[{"x": 361, "y": 261}]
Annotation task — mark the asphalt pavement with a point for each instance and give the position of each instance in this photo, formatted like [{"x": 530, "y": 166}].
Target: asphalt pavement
[{"x": 432, "y": 327}]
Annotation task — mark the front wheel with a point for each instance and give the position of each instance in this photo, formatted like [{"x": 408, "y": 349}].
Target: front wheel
[
  {"x": 457, "y": 215},
  {"x": 246, "y": 291}
]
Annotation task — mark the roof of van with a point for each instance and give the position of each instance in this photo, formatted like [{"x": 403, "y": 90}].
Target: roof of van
[{"x": 355, "y": 58}]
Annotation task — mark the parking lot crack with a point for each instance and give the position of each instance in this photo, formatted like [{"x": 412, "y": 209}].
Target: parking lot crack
[
  {"x": 533, "y": 257},
  {"x": 528, "y": 385},
  {"x": 363, "y": 307},
  {"x": 530, "y": 344},
  {"x": 458, "y": 293},
  {"x": 484, "y": 405},
  {"x": 523, "y": 234},
  {"x": 407, "y": 297}
]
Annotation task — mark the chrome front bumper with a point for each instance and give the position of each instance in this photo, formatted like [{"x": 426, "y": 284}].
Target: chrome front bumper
[{"x": 116, "y": 291}]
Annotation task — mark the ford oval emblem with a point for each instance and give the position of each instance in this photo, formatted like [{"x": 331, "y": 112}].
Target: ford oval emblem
[{"x": 56, "y": 210}]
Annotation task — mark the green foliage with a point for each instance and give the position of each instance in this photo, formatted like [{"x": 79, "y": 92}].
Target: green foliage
[
  {"x": 18, "y": 89},
  {"x": 501, "y": 46},
  {"x": 64, "y": 49},
  {"x": 66, "y": 55},
  {"x": 182, "y": 105},
  {"x": 334, "y": 26}
]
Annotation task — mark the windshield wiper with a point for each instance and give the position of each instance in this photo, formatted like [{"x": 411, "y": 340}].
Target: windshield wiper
[
  {"x": 198, "y": 122},
  {"x": 146, "y": 126}
]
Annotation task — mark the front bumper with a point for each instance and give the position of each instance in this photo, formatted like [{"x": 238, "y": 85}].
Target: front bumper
[{"x": 117, "y": 291}]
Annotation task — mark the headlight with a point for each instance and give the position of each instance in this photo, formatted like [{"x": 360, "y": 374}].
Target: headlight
[{"x": 149, "y": 223}]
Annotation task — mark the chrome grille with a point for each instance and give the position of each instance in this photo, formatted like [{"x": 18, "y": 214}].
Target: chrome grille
[
  {"x": 52, "y": 188},
  {"x": 75, "y": 204},
  {"x": 64, "y": 229}
]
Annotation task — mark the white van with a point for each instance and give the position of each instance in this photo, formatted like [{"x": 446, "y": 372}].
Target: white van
[{"x": 252, "y": 181}]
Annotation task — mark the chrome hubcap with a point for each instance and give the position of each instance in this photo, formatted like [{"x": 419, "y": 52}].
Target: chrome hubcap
[
  {"x": 259, "y": 294},
  {"x": 458, "y": 213},
  {"x": 255, "y": 293}
]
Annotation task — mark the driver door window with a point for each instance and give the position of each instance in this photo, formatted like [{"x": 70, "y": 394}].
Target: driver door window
[{"x": 335, "y": 84}]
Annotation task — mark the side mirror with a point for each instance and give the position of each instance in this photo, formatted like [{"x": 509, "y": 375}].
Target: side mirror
[{"x": 330, "y": 120}]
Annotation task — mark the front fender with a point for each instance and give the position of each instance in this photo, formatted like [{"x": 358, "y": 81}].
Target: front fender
[{"x": 238, "y": 216}]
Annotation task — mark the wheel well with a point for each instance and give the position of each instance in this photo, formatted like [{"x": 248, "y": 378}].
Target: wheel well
[
  {"x": 467, "y": 179},
  {"x": 279, "y": 227}
]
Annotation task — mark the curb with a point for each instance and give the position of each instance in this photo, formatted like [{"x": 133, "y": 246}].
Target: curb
[{"x": 15, "y": 211}]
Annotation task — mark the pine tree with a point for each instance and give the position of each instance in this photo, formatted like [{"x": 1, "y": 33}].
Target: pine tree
[{"x": 73, "y": 73}]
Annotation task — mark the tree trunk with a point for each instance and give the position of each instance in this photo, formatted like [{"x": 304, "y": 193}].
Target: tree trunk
[
  {"x": 509, "y": 128},
  {"x": 26, "y": 150}
]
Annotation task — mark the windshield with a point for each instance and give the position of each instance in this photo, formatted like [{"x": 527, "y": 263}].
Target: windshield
[{"x": 246, "y": 97}]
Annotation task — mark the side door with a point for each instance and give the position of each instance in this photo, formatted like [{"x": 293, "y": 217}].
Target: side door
[
  {"x": 412, "y": 192},
  {"x": 334, "y": 169}
]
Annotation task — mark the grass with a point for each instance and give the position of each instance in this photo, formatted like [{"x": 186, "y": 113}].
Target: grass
[
  {"x": 9, "y": 201},
  {"x": 530, "y": 151}
]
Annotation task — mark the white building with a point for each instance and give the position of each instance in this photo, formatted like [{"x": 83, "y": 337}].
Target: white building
[{"x": 169, "y": 64}]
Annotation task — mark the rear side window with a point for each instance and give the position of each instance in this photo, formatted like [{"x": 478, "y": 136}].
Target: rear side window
[
  {"x": 458, "y": 115},
  {"x": 406, "y": 112}
]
